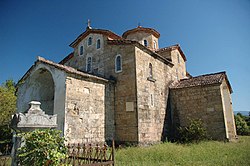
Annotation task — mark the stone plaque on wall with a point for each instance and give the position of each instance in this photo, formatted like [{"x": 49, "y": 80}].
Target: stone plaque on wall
[{"x": 129, "y": 106}]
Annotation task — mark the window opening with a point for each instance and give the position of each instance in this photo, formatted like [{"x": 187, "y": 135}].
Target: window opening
[
  {"x": 145, "y": 43},
  {"x": 118, "y": 63},
  {"x": 89, "y": 64},
  {"x": 98, "y": 44},
  {"x": 81, "y": 50},
  {"x": 90, "y": 41}
]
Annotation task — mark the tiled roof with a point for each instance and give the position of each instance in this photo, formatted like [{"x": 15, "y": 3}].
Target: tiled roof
[
  {"x": 203, "y": 80},
  {"x": 66, "y": 69},
  {"x": 170, "y": 48},
  {"x": 139, "y": 28},
  {"x": 97, "y": 31},
  {"x": 68, "y": 57}
]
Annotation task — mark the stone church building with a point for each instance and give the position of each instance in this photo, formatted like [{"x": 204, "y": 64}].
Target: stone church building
[{"x": 126, "y": 88}]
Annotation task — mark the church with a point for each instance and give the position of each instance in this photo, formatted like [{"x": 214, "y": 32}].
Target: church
[{"x": 126, "y": 88}]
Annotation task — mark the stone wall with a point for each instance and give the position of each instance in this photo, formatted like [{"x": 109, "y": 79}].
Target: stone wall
[
  {"x": 85, "y": 114},
  {"x": 80, "y": 61},
  {"x": 141, "y": 36},
  {"x": 179, "y": 69},
  {"x": 125, "y": 93},
  {"x": 228, "y": 111},
  {"x": 152, "y": 96},
  {"x": 200, "y": 102}
]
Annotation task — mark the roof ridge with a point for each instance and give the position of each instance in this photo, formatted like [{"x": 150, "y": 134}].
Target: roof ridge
[
  {"x": 209, "y": 74},
  {"x": 93, "y": 30},
  {"x": 168, "y": 47}
]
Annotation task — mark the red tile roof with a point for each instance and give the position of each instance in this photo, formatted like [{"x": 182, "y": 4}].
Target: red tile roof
[
  {"x": 170, "y": 48},
  {"x": 97, "y": 31},
  {"x": 203, "y": 80},
  {"x": 67, "y": 69},
  {"x": 67, "y": 58},
  {"x": 141, "y": 29}
]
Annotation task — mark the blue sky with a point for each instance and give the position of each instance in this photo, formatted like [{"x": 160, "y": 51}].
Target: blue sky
[{"x": 214, "y": 34}]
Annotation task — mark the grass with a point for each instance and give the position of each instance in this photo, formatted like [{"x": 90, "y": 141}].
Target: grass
[{"x": 205, "y": 153}]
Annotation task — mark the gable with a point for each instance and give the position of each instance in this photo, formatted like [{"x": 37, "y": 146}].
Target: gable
[{"x": 106, "y": 33}]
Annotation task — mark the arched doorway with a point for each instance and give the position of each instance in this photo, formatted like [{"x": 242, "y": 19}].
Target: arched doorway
[{"x": 41, "y": 88}]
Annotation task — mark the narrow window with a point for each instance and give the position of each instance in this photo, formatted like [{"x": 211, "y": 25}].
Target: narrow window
[
  {"x": 145, "y": 43},
  {"x": 90, "y": 41},
  {"x": 89, "y": 64},
  {"x": 118, "y": 63},
  {"x": 98, "y": 44},
  {"x": 150, "y": 70},
  {"x": 154, "y": 44},
  {"x": 178, "y": 57},
  {"x": 81, "y": 50}
]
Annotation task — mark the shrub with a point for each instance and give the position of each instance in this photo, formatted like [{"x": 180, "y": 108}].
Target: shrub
[
  {"x": 241, "y": 125},
  {"x": 42, "y": 147},
  {"x": 5, "y": 139},
  {"x": 194, "y": 132}
]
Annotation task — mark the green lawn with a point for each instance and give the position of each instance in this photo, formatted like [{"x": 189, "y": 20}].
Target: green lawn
[{"x": 205, "y": 153}]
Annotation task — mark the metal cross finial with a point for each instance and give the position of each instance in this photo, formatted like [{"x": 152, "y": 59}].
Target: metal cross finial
[{"x": 88, "y": 24}]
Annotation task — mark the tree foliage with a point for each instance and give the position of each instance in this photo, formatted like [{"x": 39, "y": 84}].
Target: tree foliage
[
  {"x": 42, "y": 147},
  {"x": 7, "y": 102},
  {"x": 241, "y": 123},
  {"x": 7, "y": 108}
]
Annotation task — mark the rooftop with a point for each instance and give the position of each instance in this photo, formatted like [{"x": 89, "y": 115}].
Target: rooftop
[
  {"x": 141, "y": 29},
  {"x": 203, "y": 80}
]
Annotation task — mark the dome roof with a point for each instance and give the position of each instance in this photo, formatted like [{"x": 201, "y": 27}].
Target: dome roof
[{"x": 141, "y": 29}]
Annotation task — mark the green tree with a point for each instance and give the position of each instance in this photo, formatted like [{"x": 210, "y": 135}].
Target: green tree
[
  {"x": 241, "y": 125},
  {"x": 7, "y": 108},
  {"x": 7, "y": 102}
]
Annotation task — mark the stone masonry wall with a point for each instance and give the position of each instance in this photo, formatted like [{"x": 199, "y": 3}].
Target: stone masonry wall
[
  {"x": 152, "y": 96},
  {"x": 80, "y": 61},
  {"x": 179, "y": 69},
  {"x": 228, "y": 111},
  {"x": 85, "y": 114},
  {"x": 125, "y": 93},
  {"x": 201, "y": 102},
  {"x": 141, "y": 36}
]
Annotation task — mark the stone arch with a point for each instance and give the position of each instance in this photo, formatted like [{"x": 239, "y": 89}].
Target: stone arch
[{"x": 41, "y": 87}]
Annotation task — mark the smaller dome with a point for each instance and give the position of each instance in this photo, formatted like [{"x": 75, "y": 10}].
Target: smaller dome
[{"x": 141, "y": 29}]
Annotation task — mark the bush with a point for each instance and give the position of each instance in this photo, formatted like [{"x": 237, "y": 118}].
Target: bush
[
  {"x": 194, "y": 132},
  {"x": 42, "y": 147},
  {"x": 241, "y": 125},
  {"x": 5, "y": 139}
]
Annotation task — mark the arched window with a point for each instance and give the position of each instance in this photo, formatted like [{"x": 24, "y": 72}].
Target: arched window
[
  {"x": 81, "y": 50},
  {"x": 98, "y": 44},
  {"x": 154, "y": 44},
  {"x": 118, "y": 63},
  {"x": 145, "y": 42},
  {"x": 90, "y": 41},
  {"x": 89, "y": 64},
  {"x": 150, "y": 70}
]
